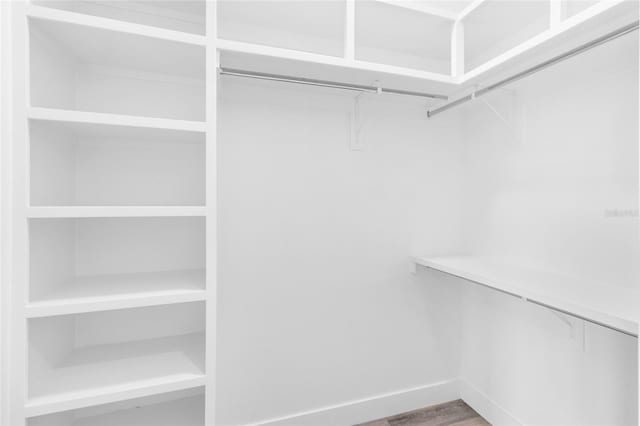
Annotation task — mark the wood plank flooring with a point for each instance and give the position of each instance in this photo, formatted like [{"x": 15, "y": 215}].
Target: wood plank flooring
[{"x": 454, "y": 413}]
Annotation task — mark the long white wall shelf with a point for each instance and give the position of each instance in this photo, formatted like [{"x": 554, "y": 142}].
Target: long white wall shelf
[
  {"x": 120, "y": 291},
  {"x": 114, "y": 211},
  {"x": 581, "y": 298}
]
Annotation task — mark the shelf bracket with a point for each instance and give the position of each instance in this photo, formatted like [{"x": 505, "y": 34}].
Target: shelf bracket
[
  {"x": 356, "y": 122},
  {"x": 565, "y": 319},
  {"x": 516, "y": 122}
]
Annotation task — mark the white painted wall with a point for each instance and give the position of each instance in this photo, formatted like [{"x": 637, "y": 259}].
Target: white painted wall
[
  {"x": 547, "y": 203},
  {"x": 317, "y": 303}
]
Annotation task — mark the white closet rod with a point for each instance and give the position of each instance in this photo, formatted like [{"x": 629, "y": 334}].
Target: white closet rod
[
  {"x": 325, "y": 83},
  {"x": 556, "y": 59}
]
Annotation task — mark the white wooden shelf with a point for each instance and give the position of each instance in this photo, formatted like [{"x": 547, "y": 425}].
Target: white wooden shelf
[
  {"x": 115, "y": 372},
  {"x": 97, "y": 120},
  {"x": 50, "y": 212},
  {"x": 119, "y": 291},
  {"x": 594, "y": 302}
]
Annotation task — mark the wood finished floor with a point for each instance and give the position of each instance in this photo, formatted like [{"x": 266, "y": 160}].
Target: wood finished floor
[{"x": 454, "y": 413}]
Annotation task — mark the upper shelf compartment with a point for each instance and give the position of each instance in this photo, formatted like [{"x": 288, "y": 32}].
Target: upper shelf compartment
[
  {"x": 399, "y": 36},
  {"x": 308, "y": 26},
  {"x": 185, "y": 15},
  {"x": 80, "y": 67},
  {"x": 496, "y": 26}
]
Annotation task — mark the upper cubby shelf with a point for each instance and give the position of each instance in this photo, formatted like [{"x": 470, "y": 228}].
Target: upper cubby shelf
[
  {"x": 421, "y": 42},
  {"x": 308, "y": 26},
  {"x": 496, "y": 26},
  {"x": 432, "y": 46},
  {"x": 184, "y": 16},
  {"x": 75, "y": 66}
]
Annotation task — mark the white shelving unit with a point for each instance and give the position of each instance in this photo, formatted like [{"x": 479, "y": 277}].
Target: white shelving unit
[{"x": 117, "y": 293}]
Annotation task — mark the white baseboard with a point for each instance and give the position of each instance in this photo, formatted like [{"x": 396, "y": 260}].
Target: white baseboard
[
  {"x": 372, "y": 408},
  {"x": 486, "y": 407}
]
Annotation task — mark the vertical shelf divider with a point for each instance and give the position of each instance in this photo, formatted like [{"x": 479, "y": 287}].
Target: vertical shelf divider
[{"x": 211, "y": 197}]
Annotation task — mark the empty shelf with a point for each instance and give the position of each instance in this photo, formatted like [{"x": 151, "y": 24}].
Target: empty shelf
[
  {"x": 114, "y": 372},
  {"x": 120, "y": 44},
  {"x": 119, "y": 291},
  {"x": 611, "y": 306}
]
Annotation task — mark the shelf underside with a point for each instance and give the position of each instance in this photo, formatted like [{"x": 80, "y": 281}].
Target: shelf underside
[
  {"x": 610, "y": 305},
  {"x": 112, "y": 372}
]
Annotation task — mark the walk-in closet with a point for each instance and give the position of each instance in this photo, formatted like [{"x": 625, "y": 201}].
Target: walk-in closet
[{"x": 319, "y": 212}]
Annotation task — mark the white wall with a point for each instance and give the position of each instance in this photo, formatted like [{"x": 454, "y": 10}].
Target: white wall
[
  {"x": 317, "y": 303},
  {"x": 547, "y": 202}
]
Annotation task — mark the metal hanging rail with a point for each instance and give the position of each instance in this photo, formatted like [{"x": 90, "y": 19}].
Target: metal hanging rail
[
  {"x": 325, "y": 83},
  {"x": 556, "y": 59}
]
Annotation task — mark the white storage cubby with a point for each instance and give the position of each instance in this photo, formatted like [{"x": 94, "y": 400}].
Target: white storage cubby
[
  {"x": 496, "y": 26},
  {"x": 185, "y": 15},
  {"x": 73, "y": 358},
  {"x": 95, "y": 164},
  {"x": 183, "y": 408},
  {"x": 573, "y": 7},
  {"x": 393, "y": 35},
  {"x": 310, "y": 26},
  {"x": 76, "y": 67},
  {"x": 105, "y": 262}
]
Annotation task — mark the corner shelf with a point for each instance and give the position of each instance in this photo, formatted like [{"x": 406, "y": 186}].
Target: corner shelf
[
  {"x": 593, "y": 302},
  {"x": 119, "y": 291}
]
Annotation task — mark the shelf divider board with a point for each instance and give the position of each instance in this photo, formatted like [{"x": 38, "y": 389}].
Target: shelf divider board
[
  {"x": 593, "y": 302},
  {"x": 211, "y": 196},
  {"x": 18, "y": 165}
]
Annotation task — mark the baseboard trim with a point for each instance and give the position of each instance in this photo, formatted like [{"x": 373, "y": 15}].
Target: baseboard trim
[
  {"x": 371, "y": 408},
  {"x": 493, "y": 412}
]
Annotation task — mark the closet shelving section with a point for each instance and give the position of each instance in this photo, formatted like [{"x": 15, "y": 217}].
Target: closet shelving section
[
  {"x": 117, "y": 291},
  {"x": 421, "y": 47}
]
